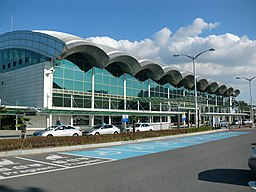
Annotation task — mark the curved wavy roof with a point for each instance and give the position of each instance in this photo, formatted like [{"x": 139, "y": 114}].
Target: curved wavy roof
[{"x": 59, "y": 45}]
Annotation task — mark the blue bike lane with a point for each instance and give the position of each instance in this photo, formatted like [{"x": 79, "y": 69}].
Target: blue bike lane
[{"x": 145, "y": 148}]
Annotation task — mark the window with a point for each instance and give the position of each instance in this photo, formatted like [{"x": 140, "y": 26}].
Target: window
[
  {"x": 20, "y": 61},
  {"x": 9, "y": 65},
  {"x": 26, "y": 59},
  {"x": 3, "y": 67},
  {"x": 14, "y": 63}
]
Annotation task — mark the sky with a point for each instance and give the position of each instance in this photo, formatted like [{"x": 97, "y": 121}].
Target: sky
[{"x": 155, "y": 29}]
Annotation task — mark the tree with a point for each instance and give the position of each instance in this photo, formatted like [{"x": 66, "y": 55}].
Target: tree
[
  {"x": 134, "y": 120},
  {"x": 2, "y": 110},
  {"x": 243, "y": 106},
  {"x": 22, "y": 124}
]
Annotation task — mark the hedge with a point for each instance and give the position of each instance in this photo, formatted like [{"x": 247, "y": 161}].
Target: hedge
[{"x": 43, "y": 142}]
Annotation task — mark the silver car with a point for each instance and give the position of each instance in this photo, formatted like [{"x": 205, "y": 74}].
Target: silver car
[
  {"x": 58, "y": 130},
  {"x": 101, "y": 129}
]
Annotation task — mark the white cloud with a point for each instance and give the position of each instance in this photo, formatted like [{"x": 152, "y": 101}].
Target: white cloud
[
  {"x": 193, "y": 30},
  {"x": 234, "y": 55}
]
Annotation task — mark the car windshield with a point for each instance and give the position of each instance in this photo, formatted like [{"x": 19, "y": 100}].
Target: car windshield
[
  {"x": 50, "y": 128},
  {"x": 137, "y": 125},
  {"x": 97, "y": 126}
]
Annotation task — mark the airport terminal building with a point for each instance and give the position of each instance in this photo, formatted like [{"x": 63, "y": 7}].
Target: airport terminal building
[{"x": 53, "y": 76}]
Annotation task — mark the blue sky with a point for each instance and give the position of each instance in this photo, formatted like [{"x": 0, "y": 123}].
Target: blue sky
[
  {"x": 127, "y": 19},
  {"x": 154, "y": 29}
]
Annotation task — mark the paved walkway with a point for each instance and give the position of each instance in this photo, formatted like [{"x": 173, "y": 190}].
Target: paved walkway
[{"x": 13, "y": 133}]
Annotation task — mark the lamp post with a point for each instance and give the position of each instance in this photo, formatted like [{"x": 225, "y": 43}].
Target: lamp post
[
  {"x": 250, "y": 87},
  {"x": 194, "y": 71}
]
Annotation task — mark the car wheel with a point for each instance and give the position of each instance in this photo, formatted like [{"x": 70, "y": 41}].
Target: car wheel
[
  {"x": 138, "y": 131},
  {"x": 115, "y": 132},
  {"x": 75, "y": 134},
  {"x": 97, "y": 133},
  {"x": 50, "y": 135}
]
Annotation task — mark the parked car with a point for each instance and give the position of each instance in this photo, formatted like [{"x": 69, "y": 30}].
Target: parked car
[
  {"x": 252, "y": 159},
  {"x": 247, "y": 122},
  {"x": 140, "y": 127},
  {"x": 101, "y": 129},
  {"x": 224, "y": 124},
  {"x": 236, "y": 122},
  {"x": 59, "y": 130}
]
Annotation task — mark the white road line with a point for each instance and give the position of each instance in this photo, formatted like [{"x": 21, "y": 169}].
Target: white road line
[
  {"x": 84, "y": 155},
  {"x": 54, "y": 170},
  {"x": 28, "y": 174},
  {"x": 96, "y": 163},
  {"x": 22, "y": 158},
  {"x": 128, "y": 150}
]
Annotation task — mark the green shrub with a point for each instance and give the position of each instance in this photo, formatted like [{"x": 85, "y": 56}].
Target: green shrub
[{"x": 42, "y": 142}]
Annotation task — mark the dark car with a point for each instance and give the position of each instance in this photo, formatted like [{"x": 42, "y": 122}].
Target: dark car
[{"x": 252, "y": 159}]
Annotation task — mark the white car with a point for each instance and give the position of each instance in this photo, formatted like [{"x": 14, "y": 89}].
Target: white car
[
  {"x": 58, "y": 130},
  {"x": 101, "y": 129},
  {"x": 140, "y": 127},
  {"x": 247, "y": 122},
  {"x": 224, "y": 123}
]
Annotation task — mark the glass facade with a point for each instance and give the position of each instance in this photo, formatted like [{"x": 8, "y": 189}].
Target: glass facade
[
  {"x": 108, "y": 90},
  {"x": 72, "y": 86},
  {"x": 12, "y": 59},
  {"x": 34, "y": 41}
]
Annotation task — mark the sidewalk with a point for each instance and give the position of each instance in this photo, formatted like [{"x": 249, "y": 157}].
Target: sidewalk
[{"x": 13, "y": 133}]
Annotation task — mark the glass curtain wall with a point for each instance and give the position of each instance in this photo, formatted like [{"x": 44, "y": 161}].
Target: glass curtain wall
[
  {"x": 108, "y": 90},
  {"x": 136, "y": 92},
  {"x": 72, "y": 85},
  {"x": 12, "y": 59}
]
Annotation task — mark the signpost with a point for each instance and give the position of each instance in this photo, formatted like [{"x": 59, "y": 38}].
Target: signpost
[{"x": 125, "y": 118}]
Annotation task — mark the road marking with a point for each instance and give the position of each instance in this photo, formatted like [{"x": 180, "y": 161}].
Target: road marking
[
  {"x": 5, "y": 162},
  {"x": 32, "y": 160},
  {"x": 33, "y": 173},
  {"x": 103, "y": 153},
  {"x": 252, "y": 184},
  {"x": 146, "y": 148},
  {"x": 15, "y": 170},
  {"x": 9, "y": 168},
  {"x": 54, "y": 157}
]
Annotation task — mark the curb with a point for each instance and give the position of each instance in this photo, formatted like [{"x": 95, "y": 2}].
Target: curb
[{"x": 91, "y": 146}]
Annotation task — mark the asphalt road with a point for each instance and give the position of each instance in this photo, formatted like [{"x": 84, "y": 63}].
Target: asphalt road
[{"x": 212, "y": 166}]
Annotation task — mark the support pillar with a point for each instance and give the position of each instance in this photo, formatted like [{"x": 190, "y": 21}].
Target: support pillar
[
  {"x": 71, "y": 120},
  {"x": 91, "y": 120},
  {"x": 189, "y": 118},
  {"x": 49, "y": 120},
  {"x": 178, "y": 123}
]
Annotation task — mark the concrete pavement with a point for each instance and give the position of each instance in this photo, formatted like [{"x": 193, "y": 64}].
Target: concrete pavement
[{"x": 13, "y": 133}]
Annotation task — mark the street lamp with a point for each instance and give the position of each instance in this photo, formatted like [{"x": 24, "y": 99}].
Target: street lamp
[
  {"x": 194, "y": 70},
  {"x": 250, "y": 86}
]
